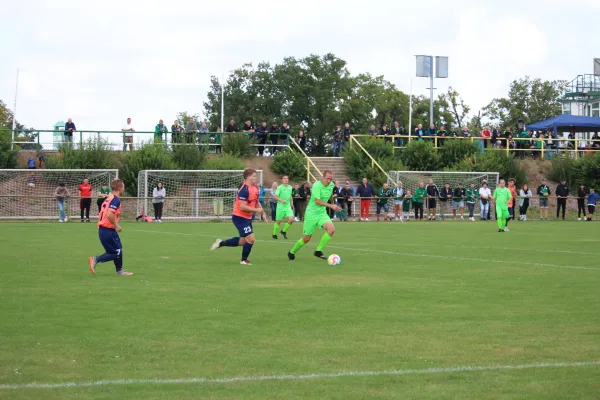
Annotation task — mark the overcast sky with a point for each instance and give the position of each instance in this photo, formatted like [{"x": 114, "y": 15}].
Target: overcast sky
[{"x": 101, "y": 62}]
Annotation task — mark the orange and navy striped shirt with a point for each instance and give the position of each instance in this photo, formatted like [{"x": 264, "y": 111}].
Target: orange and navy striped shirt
[
  {"x": 245, "y": 195},
  {"x": 111, "y": 204}
]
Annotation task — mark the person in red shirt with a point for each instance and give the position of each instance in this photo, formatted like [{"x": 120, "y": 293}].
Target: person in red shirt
[
  {"x": 85, "y": 201},
  {"x": 246, "y": 204},
  {"x": 108, "y": 230},
  {"x": 486, "y": 134}
]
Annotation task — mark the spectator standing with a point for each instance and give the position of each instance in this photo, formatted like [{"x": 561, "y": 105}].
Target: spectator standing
[
  {"x": 248, "y": 128},
  {"x": 347, "y": 132},
  {"x": 562, "y": 192},
  {"x": 345, "y": 200},
  {"x": 128, "y": 130},
  {"x": 160, "y": 131},
  {"x": 203, "y": 133},
  {"x": 458, "y": 201},
  {"x": 593, "y": 198},
  {"x": 301, "y": 139},
  {"x": 30, "y": 163},
  {"x": 383, "y": 196},
  {"x": 350, "y": 200},
  {"x": 273, "y": 200},
  {"x": 274, "y": 136},
  {"x": 486, "y": 135},
  {"x": 432, "y": 195},
  {"x": 261, "y": 198},
  {"x": 366, "y": 192},
  {"x": 334, "y": 200},
  {"x": 338, "y": 137},
  {"x": 418, "y": 200},
  {"x": 398, "y": 194},
  {"x": 284, "y": 133},
  {"x": 41, "y": 160},
  {"x": 176, "y": 130},
  {"x": 304, "y": 198},
  {"x": 61, "y": 193},
  {"x": 446, "y": 195},
  {"x": 372, "y": 131},
  {"x": 158, "y": 201},
  {"x": 513, "y": 199},
  {"x": 296, "y": 201},
  {"x": 441, "y": 134},
  {"x": 261, "y": 134},
  {"x": 69, "y": 129},
  {"x": 431, "y": 132},
  {"x": 465, "y": 132},
  {"x": 398, "y": 131},
  {"x": 85, "y": 201},
  {"x": 231, "y": 128},
  {"x": 406, "y": 206},
  {"x": 543, "y": 191},
  {"x": 485, "y": 195},
  {"x": 103, "y": 193},
  {"x": 419, "y": 133},
  {"x": 385, "y": 132},
  {"x": 581, "y": 193},
  {"x": 524, "y": 196},
  {"x": 471, "y": 195},
  {"x": 595, "y": 142},
  {"x": 191, "y": 129}
]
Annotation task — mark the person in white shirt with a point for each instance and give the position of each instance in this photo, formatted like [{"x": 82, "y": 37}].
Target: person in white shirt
[
  {"x": 128, "y": 131},
  {"x": 158, "y": 200},
  {"x": 485, "y": 195}
]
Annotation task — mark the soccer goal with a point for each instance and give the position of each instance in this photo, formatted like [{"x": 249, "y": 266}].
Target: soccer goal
[
  {"x": 29, "y": 193},
  {"x": 193, "y": 194},
  {"x": 411, "y": 180}
]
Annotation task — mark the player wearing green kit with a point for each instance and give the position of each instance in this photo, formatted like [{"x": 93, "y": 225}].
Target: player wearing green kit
[
  {"x": 316, "y": 216},
  {"x": 283, "y": 195},
  {"x": 501, "y": 197}
]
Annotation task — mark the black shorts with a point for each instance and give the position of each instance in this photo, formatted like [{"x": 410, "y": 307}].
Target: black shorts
[
  {"x": 431, "y": 203},
  {"x": 243, "y": 225}
]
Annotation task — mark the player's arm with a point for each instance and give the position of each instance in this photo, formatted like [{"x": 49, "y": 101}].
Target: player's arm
[
  {"x": 276, "y": 196},
  {"x": 334, "y": 207},
  {"x": 113, "y": 220}
]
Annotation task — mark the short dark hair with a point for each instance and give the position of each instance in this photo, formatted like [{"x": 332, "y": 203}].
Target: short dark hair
[{"x": 248, "y": 172}]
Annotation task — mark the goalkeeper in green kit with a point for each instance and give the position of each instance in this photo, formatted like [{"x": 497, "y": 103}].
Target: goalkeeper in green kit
[
  {"x": 283, "y": 195},
  {"x": 501, "y": 197},
  {"x": 316, "y": 216}
]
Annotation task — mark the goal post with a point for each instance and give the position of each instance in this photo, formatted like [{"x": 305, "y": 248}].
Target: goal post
[
  {"x": 411, "y": 180},
  {"x": 29, "y": 193},
  {"x": 191, "y": 194}
]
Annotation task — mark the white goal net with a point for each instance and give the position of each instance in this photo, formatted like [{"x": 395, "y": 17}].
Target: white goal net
[
  {"x": 191, "y": 195},
  {"x": 411, "y": 180},
  {"x": 29, "y": 193}
]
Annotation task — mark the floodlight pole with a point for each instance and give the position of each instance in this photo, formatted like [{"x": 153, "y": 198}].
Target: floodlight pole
[
  {"x": 431, "y": 94},
  {"x": 222, "y": 99},
  {"x": 410, "y": 112},
  {"x": 14, "y": 119}
]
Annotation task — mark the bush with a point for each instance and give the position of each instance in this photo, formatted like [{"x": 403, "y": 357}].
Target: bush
[
  {"x": 188, "y": 157},
  {"x": 226, "y": 161},
  {"x": 586, "y": 170},
  {"x": 149, "y": 156},
  {"x": 359, "y": 165},
  {"x": 94, "y": 154},
  {"x": 238, "y": 145},
  {"x": 562, "y": 168},
  {"x": 454, "y": 151},
  {"x": 493, "y": 161},
  {"x": 289, "y": 163},
  {"x": 420, "y": 156},
  {"x": 8, "y": 158}
]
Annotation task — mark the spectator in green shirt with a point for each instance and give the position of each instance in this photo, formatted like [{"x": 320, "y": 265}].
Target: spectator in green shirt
[
  {"x": 406, "y": 206},
  {"x": 159, "y": 130},
  {"x": 383, "y": 196},
  {"x": 471, "y": 195},
  {"x": 418, "y": 199},
  {"x": 103, "y": 193}
]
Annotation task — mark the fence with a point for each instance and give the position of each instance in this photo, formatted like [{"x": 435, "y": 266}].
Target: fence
[{"x": 24, "y": 207}]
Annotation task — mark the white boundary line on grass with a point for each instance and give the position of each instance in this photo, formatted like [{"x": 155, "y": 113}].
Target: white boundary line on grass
[
  {"x": 293, "y": 377},
  {"x": 398, "y": 253}
]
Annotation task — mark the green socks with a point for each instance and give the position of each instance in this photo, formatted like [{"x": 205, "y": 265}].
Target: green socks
[
  {"x": 275, "y": 229},
  {"x": 286, "y": 227},
  {"x": 324, "y": 240},
  {"x": 299, "y": 244}
]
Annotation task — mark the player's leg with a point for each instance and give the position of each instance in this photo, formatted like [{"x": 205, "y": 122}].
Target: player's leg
[
  {"x": 310, "y": 225},
  {"x": 500, "y": 220},
  {"x": 276, "y": 225},
  {"x": 244, "y": 228},
  {"x": 329, "y": 231},
  {"x": 288, "y": 224}
]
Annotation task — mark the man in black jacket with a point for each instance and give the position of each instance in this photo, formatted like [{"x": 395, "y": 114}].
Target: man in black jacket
[
  {"x": 274, "y": 135},
  {"x": 562, "y": 192},
  {"x": 432, "y": 195},
  {"x": 304, "y": 193},
  {"x": 261, "y": 134}
]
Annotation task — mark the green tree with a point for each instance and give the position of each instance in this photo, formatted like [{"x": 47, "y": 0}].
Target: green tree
[
  {"x": 453, "y": 109},
  {"x": 528, "y": 99},
  {"x": 22, "y": 134}
]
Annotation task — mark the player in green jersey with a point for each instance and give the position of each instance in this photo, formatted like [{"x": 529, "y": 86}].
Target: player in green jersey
[
  {"x": 316, "y": 216},
  {"x": 283, "y": 195},
  {"x": 501, "y": 197}
]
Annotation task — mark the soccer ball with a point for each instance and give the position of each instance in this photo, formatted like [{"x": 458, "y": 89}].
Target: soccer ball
[{"x": 334, "y": 259}]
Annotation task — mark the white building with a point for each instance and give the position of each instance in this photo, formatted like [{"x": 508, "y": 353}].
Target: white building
[{"x": 582, "y": 95}]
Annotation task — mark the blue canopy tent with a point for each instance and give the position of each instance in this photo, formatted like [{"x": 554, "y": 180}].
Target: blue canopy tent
[{"x": 566, "y": 123}]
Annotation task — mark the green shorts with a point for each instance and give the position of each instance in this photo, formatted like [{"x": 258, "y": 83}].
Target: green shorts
[
  {"x": 312, "y": 222},
  {"x": 502, "y": 212},
  {"x": 282, "y": 213}
]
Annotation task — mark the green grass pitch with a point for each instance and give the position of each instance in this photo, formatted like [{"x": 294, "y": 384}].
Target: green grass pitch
[{"x": 417, "y": 298}]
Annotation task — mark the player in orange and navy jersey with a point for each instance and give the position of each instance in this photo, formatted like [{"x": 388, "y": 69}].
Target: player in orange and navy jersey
[
  {"x": 108, "y": 228},
  {"x": 246, "y": 204}
]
